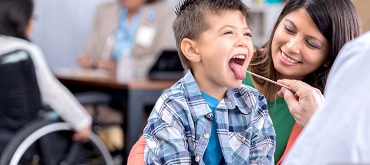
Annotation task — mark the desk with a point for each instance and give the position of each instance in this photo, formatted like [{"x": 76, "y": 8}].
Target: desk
[{"x": 141, "y": 92}]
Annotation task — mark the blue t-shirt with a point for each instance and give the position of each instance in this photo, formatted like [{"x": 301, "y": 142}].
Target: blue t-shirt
[{"x": 213, "y": 153}]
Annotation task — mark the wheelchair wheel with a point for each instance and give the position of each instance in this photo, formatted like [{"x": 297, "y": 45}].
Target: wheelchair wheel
[{"x": 49, "y": 142}]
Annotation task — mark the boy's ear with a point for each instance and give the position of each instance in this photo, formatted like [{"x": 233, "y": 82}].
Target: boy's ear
[{"x": 188, "y": 48}]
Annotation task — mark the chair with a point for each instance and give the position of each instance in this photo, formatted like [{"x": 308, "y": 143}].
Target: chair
[
  {"x": 20, "y": 98},
  {"x": 136, "y": 156},
  {"x": 46, "y": 140}
]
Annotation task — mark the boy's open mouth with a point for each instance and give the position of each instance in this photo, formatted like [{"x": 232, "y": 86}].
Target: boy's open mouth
[{"x": 236, "y": 65}]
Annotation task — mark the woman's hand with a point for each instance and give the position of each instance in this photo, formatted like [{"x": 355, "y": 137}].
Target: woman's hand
[
  {"x": 86, "y": 62},
  {"x": 303, "y": 102},
  {"x": 82, "y": 135},
  {"x": 107, "y": 65}
]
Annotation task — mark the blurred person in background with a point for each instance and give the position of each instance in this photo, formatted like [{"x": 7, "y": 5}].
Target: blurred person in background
[
  {"x": 16, "y": 20},
  {"x": 138, "y": 29}
]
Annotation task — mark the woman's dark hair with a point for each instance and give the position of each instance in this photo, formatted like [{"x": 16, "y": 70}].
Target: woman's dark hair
[
  {"x": 337, "y": 21},
  {"x": 15, "y": 16}
]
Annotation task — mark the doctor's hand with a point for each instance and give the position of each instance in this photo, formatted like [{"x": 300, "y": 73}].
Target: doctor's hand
[{"x": 304, "y": 102}]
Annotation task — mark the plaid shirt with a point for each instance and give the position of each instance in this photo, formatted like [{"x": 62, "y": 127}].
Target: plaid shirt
[{"x": 179, "y": 126}]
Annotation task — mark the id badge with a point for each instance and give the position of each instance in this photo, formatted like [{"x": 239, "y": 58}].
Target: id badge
[{"x": 145, "y": 36}]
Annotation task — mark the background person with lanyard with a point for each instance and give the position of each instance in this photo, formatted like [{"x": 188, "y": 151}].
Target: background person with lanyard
[
  {"x": 136, "y": 30},
  {"x": 139, "y": 29}
]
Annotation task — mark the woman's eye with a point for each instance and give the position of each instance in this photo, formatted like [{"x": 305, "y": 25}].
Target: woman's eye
[
  {"x": 289, "y": 29},
  {"x": 312, "y": 45}
]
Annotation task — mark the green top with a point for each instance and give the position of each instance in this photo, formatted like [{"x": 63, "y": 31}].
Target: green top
[{"x": 281, "y": 118}]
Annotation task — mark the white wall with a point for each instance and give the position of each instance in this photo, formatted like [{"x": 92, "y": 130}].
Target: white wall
[
  {"x": 62, "y": 25},
  {"x": 61, "y": 28}
]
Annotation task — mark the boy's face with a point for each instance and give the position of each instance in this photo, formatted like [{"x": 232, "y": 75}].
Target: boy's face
[{"x": 225, "y": 50}]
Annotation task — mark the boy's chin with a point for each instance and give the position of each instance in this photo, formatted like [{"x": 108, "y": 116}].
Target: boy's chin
[{"x": 236, "y": 83}]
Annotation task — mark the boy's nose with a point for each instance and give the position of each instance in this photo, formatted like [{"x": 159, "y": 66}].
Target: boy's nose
[{"x": 242, "y": 42}]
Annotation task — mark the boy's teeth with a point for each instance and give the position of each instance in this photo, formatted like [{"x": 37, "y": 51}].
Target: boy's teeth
[
  {"x": 239, "y": 56},
  {"x": 289, "y": 59}
]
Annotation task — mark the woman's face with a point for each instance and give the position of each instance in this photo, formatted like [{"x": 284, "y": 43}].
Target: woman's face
[
  {"x": 133, "y": 4},
  {"x": 298, "y": 48},
  {"x": 29, "y": 28}
]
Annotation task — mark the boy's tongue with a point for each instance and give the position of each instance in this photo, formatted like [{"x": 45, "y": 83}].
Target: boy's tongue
[{"x": 238, "y": 70}]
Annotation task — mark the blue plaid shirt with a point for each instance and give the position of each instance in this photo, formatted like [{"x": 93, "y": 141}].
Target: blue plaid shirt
[{"x": 179, "y": 126}]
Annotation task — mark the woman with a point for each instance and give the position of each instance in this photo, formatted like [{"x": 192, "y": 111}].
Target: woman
[
  {"x": 138, "y": 29},
  {"x": 339, "y": 132},
  {"x": 16, "y": 24},
  {"x": 303, "y": 45}
]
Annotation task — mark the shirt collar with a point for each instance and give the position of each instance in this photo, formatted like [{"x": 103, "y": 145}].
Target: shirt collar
[
  {"x": 235, "y": 99},
  {"x": 198, "y": 107}
]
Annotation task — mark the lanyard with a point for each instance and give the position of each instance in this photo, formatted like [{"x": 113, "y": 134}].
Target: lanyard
[{"x": 125, "y": 34}]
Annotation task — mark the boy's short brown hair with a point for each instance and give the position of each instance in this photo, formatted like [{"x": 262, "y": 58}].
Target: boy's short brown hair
[{"x": 190, "y": 19}]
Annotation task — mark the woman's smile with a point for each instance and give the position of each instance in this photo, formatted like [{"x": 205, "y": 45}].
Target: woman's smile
[{"x": 288, "y": 60}]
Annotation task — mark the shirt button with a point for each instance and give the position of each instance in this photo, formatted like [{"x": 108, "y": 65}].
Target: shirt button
[
  {"x": 197, "y": 158},
  {"x": 209, "y": 116},
  {"x": 206, "y": 135},
  {"x": 244, "y": 139}
]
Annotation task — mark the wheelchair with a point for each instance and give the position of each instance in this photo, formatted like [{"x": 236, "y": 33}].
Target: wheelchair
[{"x": 47, "y": 139}]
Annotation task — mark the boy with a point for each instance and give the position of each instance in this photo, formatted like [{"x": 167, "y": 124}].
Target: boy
[{"x": 208, "y": 117}]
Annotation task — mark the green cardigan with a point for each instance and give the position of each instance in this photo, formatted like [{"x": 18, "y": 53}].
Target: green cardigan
[{"x": 281, "y": 118}]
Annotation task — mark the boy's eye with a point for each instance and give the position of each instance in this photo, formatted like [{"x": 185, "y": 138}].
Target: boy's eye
[
  {"x": 289, "y": 29},
  {"x": 228, "y": 32},
  {"x": 248, "y": 34}
]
